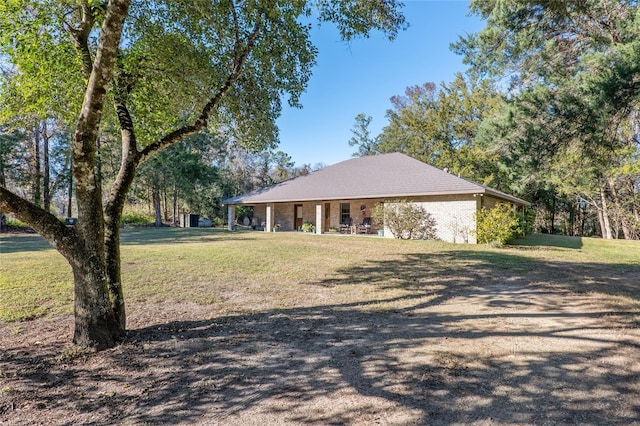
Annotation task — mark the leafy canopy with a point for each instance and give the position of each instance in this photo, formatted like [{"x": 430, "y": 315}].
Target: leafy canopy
[{"x": 175, "y": 56}]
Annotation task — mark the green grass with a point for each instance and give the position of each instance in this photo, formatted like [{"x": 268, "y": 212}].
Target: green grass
[
  {"x": 34, "y": 281},
  {"x": 254, "y": 271}
]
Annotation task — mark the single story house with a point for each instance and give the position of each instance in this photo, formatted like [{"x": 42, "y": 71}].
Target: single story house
[{"x": 348, "y": 191}]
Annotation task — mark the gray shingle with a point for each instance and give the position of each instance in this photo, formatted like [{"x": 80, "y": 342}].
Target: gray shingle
[{"x": 379, "y": 176}]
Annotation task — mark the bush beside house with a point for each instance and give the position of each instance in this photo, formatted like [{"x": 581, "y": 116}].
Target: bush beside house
[
  {"x": 405, "y": 220},
  {"x": 497, "y": 226}
]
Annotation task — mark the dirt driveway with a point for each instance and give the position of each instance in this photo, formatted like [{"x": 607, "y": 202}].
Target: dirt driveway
[{"x": 472, "y": 343}]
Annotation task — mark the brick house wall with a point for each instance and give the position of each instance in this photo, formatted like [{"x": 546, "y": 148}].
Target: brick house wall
[{"x": 454, "y": 214}]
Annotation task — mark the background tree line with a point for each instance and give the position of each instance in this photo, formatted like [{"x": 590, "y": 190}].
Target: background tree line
[
  {"x": 193, "y": 176},
  {"x": 548, "y": 110}
]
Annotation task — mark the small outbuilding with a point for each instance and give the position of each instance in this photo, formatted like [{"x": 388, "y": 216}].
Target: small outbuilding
[{"x": 343, "y": 195}]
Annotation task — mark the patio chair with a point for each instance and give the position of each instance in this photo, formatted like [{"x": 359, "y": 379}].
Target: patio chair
[
  {"x": 365, "y": 227},
  {"x": 345, "y": 228}
]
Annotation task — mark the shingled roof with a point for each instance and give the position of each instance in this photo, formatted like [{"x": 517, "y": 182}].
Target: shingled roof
[{"x": 393, "y": 175}]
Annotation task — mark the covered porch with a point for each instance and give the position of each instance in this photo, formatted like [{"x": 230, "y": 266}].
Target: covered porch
[{"x": 344, "y": 216}]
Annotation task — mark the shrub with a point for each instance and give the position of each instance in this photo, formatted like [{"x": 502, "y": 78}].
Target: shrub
[
  {"x": 405, "y": 220},
  {"x": 525, "y": 223},
  {"x": 307, "y": 227},
  {"x": 496, "y": 226},
  {"x": 14, "y": 223},
  {"x": 135, "y": 219}
]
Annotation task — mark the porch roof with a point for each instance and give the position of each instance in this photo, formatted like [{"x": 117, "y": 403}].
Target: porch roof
[{"x": 386, "y": 176}]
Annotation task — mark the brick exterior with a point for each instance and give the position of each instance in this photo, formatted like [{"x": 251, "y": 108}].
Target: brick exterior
[
  {"x": 454, "y": 218},
  {"x": 454, "y": 214}
]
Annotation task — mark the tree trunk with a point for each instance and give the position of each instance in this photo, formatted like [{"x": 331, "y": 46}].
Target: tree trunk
[
  {"x": 175, "y": 205},
  {"x": 70, "y": 198},
  {"x": 165, "y": 211},
  {"x": 157, "y": 208},
  {"x": 572, "y": 220},
  {"x": 114, "y": 208},
  {"x": 619, "y": 209},
  {"x": 36, "y": 172},
  {"x": 3, "y": 183},
  {"x": 635, "y": 210},
  {"x": 46, "y": 173},
  {"x": 98, "y": 161},
  {"x": 552, "y": 228},
  {"x": 603, "y": 217},
  {"x": 95, "y": 322}
]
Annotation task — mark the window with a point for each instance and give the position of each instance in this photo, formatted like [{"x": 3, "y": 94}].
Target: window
[{"x": 345, "y": 212}]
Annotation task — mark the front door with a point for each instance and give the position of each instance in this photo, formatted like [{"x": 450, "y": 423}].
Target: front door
[
  {"x": 327, "y": 216},
  {"x": 297, "y": 214}
]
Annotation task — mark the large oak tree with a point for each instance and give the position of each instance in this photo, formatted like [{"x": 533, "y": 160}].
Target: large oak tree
[{"x": 166, "y": 69}]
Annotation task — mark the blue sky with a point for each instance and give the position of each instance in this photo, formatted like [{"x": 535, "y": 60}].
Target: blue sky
[{"x": 361, "y": 77}]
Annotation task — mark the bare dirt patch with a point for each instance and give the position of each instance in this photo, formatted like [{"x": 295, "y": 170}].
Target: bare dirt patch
[{"x": 437, "y": 338}]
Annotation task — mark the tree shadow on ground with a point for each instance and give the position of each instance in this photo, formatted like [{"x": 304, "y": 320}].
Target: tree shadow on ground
[
  {"x": 17, "y": 243},
  {"x": 151, "y": 235},
  {"x": 549, "y": 240},
  {"x": 532, "y": 350}
]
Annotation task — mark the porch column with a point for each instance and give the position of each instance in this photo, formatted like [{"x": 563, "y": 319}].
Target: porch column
[
  {"x": 270, "y": 218},
  {"x": 319, "y": 224},
  {"x": 231, "y": 208}
]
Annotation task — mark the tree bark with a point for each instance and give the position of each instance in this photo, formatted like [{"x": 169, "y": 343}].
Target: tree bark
[
  {"x": 157, "y": 208},
  {"x": 553, "y": 215},
  {"x": 165, "y": 205},
  {"x": 603, "y": 216},
  {"x": 619, "y": 210},
  {"x": 635, "y": 214},
  {"x": 96, "y": 322},
  {"x": 175, "y": 205},
  {"x": 36, "y": 172},
  {"x": 572, "y": 220},
  {"x": 46, "y": 172},
  {"x": 114, "y": 208},
  {"x": 70, "y": 197},
  {"x": 3, "y": 183}
]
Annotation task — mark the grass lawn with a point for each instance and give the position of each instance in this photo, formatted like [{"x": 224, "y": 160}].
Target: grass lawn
[
  {"x": 273, "y": 270},
  {"x": 293, "y": 328}
]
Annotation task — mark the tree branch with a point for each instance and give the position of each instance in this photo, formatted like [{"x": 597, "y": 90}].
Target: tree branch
[
  {"x": 128, "y": 164},
  {"x": 44, "y": 223},
  {"x": 80, "y": 37},
  {"x": 201, "y": 122},
  {"x": 88, "y": 189}
]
